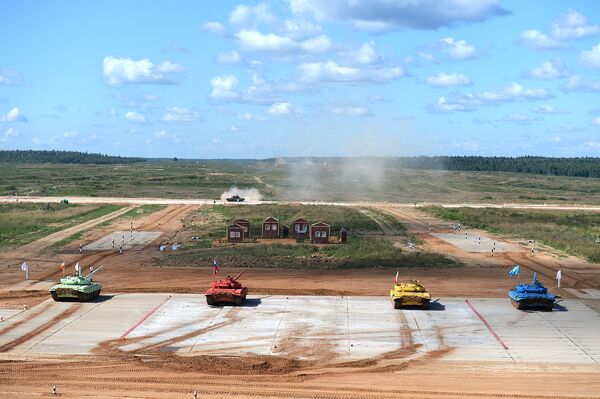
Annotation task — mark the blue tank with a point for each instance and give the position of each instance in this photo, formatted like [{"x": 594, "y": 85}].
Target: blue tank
[{"x": 532, "y": 296}]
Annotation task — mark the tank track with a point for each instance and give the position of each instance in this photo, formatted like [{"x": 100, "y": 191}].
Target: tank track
[
  {"x": 236, "y": 300},
  {"x": 399, "y": 305},
  {"x": 545, "y": 305}
]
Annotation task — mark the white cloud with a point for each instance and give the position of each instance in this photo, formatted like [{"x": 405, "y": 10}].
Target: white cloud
[
  {"x": 8, "y": 77},
  {"x": 548, "y": 70},
  {"x": 332, "y": 72},
  {"x": 519, "y": 118},
  {"x": 118, "y": 71},
  {"x": 366, "y": 54},
  {"x": 549, "y": 109},
  {"x": 231, "y": 57},
  {"x": 573, "y": 25},
  {"x": 13, "y": 115},
  {"x": 385, "y": 15},
  {"x": 283, "y": 108},
  {"x": 596, "y": 121},
  {"x": 539, "y": 41},
  {"x": 448, "y": 79},
  {"x": 216, "y": 28},
  {"x": 135, "y": 117},
  {"x": 251, "y": 40},
  {"x": 576, "y": 84},
  {"x": 179, "y": 114},
  {"x": 471, "y": 101},
  {"x": 224, "y": 87},
  {"x": 457, "y": 49},
  {"x": 244, "y": 15},
  {"x": 352, "y": 111},
  {"x": 300, "y": 29},
  {"x": 9, "y": 134},
  {"x": 248, "y": 117},
  {"x": 590, "y": 58}
]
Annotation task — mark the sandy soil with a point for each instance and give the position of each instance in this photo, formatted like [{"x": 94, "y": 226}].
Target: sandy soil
[{"x": 113, "y": 374}]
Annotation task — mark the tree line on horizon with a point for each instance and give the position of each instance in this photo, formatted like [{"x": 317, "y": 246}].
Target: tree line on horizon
[
  {"x": 573, "y": 167},
  {"x": 62, "y": 157}
]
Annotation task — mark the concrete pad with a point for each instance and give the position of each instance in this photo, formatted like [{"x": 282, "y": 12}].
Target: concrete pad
[
  {"x": 136, "y": 240},
  {"x": 473, "y": 243},
  {"x": 8, "y": 313},
  {"x": 311, "y": 327}
]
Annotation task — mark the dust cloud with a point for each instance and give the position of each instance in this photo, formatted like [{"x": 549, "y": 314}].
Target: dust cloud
[{"x": 250, "y": 194}]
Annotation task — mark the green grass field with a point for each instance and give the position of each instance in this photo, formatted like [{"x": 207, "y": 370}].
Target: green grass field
[
  {"x": 572, "y": 232},
  {"x": 24, "y": 223},
  {"x": 378, "y": 181},
  {"x": 367, "y": 246}
]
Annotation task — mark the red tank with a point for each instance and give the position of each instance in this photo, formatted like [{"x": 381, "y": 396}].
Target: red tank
[{"x": 225, "y": 291}]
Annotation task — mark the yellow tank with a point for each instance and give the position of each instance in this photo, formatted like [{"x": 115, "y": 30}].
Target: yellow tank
[{"x": 410, "y": 293}]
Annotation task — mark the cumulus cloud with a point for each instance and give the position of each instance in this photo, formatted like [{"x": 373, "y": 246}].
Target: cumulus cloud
[
  {"x": 539, "y": 41},
  {"x": 352, "y": 111},
  {"x": 283, "y": 108},
  {"x": 448, "y": 80},
  {"x": 231, "y": 57},
  {"x": 224, "y": 87},
  {"x": 299, "y": 28},
  {"x": 119, "y": 71},
  {"x": 9, "y": 77},
  {"x": 330, "y": 71},
  {"x": 596, "y": 121},
  {"x": 385, "y": 15},
  {"x": 471, "y": 101},
  {"x": 590, "y": 58},
  {"x": 248, "y": 117},
  {"x": 252, "y": 40},
  {"x": 576, "y": 83},
  {"x": 244, "y": 15},
  {"x": 549, "y": 109},
  {"x": 366, "y": 54},
  {"x": 216, "y": 28},
  {"x": 181, "y": 115},
  {"x": 519, "y": 119},
  {"x": 13, "y": 115},
  {"x": 573, "y": 25},
  {"x": 568, "y": 26},
  {"x": 457, "y": 49},
  {"x": 135, "y": 117},
  {"x": 548, "y": 70}
]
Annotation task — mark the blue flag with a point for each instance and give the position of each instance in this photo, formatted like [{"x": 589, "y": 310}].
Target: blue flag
[{"x": 515, "y": 271}]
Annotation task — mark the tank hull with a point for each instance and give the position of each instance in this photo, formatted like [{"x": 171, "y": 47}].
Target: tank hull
[
  {"x": 411, "y": 300},
  {"x": 534, "y": 303},
  {"x": 79, "y": 293},
  {"x": 69, "y": 294},
  {"x": 218, "y": 296}
]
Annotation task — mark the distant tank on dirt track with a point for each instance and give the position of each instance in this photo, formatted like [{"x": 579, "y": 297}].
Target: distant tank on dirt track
[
  {"x": 410, "y": 293},
  {"x": 76, "y": 288},
  {"x": 236, "y": 198},
  {"x": 227, "y": 291}
]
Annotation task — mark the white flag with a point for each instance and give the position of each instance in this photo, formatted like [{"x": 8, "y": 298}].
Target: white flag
[
  {"x": 77, "y": 266},
  {"x": 558, "y": 275},
  {"x": 24, "y": 266}
]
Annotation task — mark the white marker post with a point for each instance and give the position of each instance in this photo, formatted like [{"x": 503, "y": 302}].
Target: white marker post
[
  {"x": 558, "y": 277},
  {"x": 25, "y": 268}
]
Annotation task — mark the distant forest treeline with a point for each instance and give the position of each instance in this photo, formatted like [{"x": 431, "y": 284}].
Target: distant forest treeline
[
  {"x": 576, "y": 167},
  {"x": 31, "y": 156}
]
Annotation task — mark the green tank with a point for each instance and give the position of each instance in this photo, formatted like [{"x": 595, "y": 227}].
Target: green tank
[{"x": 76, "y": 288}]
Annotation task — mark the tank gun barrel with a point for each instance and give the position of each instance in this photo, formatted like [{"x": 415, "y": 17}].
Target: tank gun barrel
[
  {"x": 94, "y": 272},
  {"x": 239, "y": 275}
]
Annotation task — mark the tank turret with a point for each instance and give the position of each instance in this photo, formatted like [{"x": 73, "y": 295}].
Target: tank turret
[
  {"x": 77, "y": 288},
  {"x": 228, "y": 290},
  {"x": 532, "y": 296},
  {"x": 410, "y": 293}
]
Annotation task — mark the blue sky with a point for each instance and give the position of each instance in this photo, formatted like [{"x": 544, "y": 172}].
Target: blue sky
[{"x": 301, "y": 77}]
